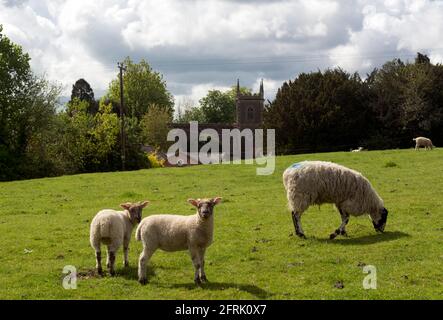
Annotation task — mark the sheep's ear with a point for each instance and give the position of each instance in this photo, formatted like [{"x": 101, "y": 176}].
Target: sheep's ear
[
  {"x": 126, "y": 205},
  {"x": 216, "y": 200},
  {"x": 144, "y": 203},
  {"x": 193, "y": 202}
]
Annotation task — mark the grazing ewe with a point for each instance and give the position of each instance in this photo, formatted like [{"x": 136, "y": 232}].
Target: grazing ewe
[
  {"x": 360, "y": 149},
  {"x": 177, "y": 233},
  {"x": 318, "y": 182},
  {"x": 422, "y": 142},
  {"x": 114, "y": 228}
]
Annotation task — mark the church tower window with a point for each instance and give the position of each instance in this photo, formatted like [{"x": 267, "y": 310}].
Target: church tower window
[{"x": 250, "y": 114}]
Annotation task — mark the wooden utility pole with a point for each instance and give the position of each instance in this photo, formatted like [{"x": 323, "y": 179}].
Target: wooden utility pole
[{"x": 122, "y": 117}]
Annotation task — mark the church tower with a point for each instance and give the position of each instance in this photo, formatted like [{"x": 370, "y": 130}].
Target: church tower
[{"x": 250, "y": 108}]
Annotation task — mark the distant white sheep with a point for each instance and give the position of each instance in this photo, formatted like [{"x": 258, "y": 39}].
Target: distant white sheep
[
  {"x": 360, "y": 149},
  {"x": 114, "y": 228},
  {"x": 318, "y": 182},
  {"x": 177, "y": 233},
  {"x": 422, "y": 142}
]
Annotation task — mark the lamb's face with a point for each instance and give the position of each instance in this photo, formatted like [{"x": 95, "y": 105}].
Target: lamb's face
[
  {"x": 380, "y": 224},
  {"x": 205, "y": 207},
  {"x": 136, "y": 213},
  {"x": 135, "y": 210}
]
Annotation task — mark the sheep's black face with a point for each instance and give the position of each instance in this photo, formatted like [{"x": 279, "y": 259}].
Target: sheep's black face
[{"x": 381, "y": 223}]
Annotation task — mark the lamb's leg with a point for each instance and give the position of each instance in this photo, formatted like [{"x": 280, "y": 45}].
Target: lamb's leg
[
  {"x": 142, "y": 262},
  {"x": 296, "y": 219},
  {"x": 342, "y": 229},
  {"x": 203, "y": 278},
  {"x": 111, "y": 260},
  {"x": 108, "y": 262},
  {"x": 125, "y": 252},
  {"x": 96, "y": 245},
  {"x": 197, "y": 261},
  {"x": 98, "y": 259}
]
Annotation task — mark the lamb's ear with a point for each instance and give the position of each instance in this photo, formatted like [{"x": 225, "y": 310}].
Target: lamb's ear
[
  {"x": 144, "y": 204},
  {"x": 126, "y": 205},
  {"x": 194, "y": 202},
  {"x": 216, "y": 200}
]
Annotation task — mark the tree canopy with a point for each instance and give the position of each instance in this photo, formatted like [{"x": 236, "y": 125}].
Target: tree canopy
[
  {"x": 320, "y": 111},
  {"x": 216, "y": 107},
  {"x": 155, "y": 127},
  {"x": 81, "y": 90},
  {"x": 142, "y": 87},
  {"x": 335, "y": 110},
  {"x": 27, "y": 108}
]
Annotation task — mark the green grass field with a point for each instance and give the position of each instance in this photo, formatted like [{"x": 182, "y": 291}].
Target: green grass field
[{"x": 44, "y": 225}]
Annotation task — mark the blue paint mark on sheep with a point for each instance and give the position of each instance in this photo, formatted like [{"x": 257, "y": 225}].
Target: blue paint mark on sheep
[{"x": 296, "y": 165}]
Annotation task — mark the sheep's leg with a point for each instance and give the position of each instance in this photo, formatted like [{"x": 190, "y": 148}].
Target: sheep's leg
[
  {"x": 111, "y": 261},
  {"x": 98, "y": 265},
  {"x": 108, "y": 262},
  {"x": 142, "y": 262},
  {"x": 197, "y": 261},
  {"x": 296, "y": 219},
  {"x": 125, "y": 252},
  {"x": 342, "y": 229},
  {"x": 203, "y": 278}
]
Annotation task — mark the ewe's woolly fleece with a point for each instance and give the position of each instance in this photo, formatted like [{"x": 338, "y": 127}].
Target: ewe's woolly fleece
[
  {"x": 318, "y": 182},
  {"x": 423, "y": 142}
]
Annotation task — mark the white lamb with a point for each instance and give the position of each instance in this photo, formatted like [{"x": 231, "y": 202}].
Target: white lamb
[
  {"x": 114, "y": 228},
  {"x": 422, "y": 142},
  {"x": 177, "y": 233},
  {"x": 318, "y": 182}
]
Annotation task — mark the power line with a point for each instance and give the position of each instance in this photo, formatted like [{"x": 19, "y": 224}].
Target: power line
[
  {"x": 274, "y": 60},
  {"x": 284, "y": 59},
  {"x": 265, "y": 60}
]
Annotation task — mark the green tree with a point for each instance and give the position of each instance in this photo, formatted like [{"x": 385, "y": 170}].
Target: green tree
[
  {"x": 85, "y": 142},
  {"x": 27, "y": 106},
  {"x": 82, "y": 90},
  {"x": 142, "y": 87},
  {"x": 220, "y": 107},
  {"x": 408, "y": 101},
  {"x": 422, "y": 105},
  {"x": 320, "y": 112},
  {"x": 387, "y": 86},
  {"x": 216, "y": 107},
  {"x": 105, "y": 132},
  {"x": 155, "y": 127},
  {"x": 192, "y": 114},
  {"x": 233, "y": 92},
  {"x": 135, "y": 156}
]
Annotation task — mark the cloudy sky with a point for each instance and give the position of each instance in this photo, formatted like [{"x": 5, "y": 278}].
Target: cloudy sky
[{"x": 203, "y": 44}]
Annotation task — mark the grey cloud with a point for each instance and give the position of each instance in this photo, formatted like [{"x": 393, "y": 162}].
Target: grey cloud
[
  {"x": 223, "y": 58},
  {"x": 13, "y": 3}
]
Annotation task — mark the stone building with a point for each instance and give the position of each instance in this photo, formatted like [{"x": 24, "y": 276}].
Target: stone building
[
  {"x": 249, "y": 109},
  {"x": 249, "y": 115}
]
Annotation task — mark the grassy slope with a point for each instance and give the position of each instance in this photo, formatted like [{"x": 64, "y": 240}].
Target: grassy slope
[{"x": 51, "y": 217}]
